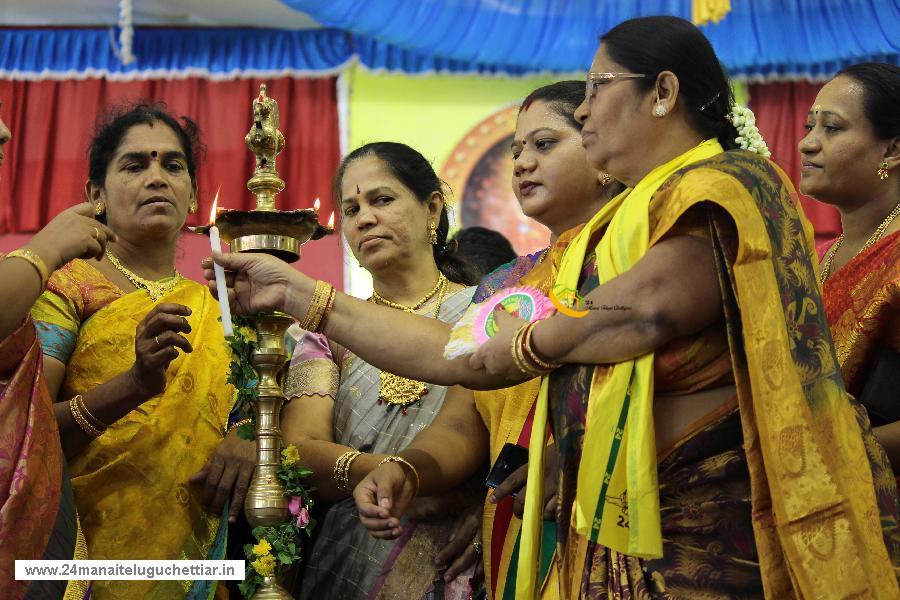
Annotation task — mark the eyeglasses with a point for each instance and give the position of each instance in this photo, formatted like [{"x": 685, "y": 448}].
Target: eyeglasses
[{"x": 595, "y": 79}]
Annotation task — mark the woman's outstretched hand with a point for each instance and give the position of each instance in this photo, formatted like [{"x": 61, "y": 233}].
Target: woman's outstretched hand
[{"x": 259, "y": 282}]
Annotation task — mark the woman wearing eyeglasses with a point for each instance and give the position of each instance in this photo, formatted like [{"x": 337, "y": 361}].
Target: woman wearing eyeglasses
[{"x": 706, "y": 445}]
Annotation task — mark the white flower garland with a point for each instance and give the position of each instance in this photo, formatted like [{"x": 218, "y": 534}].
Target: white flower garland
[
  {"x": 748, "y": 137},
  {"x": 126, "y": 36}
]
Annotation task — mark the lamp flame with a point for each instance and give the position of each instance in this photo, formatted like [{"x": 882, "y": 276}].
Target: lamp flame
[
  {"x": 212, "y": 211},
  {"x": 331, "y": 221},
  {"x": 317, "y": 205}
]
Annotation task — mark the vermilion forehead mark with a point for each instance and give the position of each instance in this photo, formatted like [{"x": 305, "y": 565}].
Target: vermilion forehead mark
[
  {"x": 357, "y": 190},
  {"x": 154, "y": 153}
]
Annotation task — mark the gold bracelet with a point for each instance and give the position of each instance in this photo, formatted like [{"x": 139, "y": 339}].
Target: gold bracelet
[
  {"x": 328, "y": 306},
  {"x": 36, "y": 261},
  {"x": 342, "y": 470},
  {"x": 399, "y": 459},
  {"x": 517, "y": 355},
  {"x": 237, "y": 424},
  {"x": 83, "y": 423},
  {"x": 317, "y": 305},
  {"x": 82, "y": 407},
  {"x": 530, "y": 353}
]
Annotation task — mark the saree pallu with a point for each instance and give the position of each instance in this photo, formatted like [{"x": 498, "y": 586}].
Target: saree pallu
[
  {"x": 131, "y": 483},
  {"x": 814, "y": 514},
  {"x": 346, "y": 561},
  {"x": 37, "y": 510}
]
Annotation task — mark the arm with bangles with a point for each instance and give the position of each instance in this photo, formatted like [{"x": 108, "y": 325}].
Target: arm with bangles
[
  {"x": 307, "y": 423},
  {"x": 671, "y": 292},
  {"x": 395, "y": 341},
  {"x": 442, "y": 457},
  {"x": 87, "y": 415},
  {"x": 24, "y": 273}
]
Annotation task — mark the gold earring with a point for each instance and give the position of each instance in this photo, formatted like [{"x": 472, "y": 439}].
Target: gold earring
[
  {"x": 605, "y": 178},
  {"x": 659, "y": 110},
  {"x": 99, "y": 209},
  {"x": 432, "y": 233},
  {"x": 193, "y": 207},
  {"x": 882, "y": 171}
]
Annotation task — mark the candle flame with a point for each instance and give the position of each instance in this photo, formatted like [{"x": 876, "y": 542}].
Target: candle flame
[
  {"x": 212, "y": 211},
  {"x": 317, "y": 205},
  {"x": 331, "y": 221}
]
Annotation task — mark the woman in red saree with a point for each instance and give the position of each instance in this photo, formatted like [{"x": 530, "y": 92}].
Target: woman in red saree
[
  {"x": 37, "y": 511},
  {"x": 850, "y": 158}
]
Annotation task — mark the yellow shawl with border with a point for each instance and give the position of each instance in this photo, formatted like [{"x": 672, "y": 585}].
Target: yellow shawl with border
[{"x": 816, "y": 521}]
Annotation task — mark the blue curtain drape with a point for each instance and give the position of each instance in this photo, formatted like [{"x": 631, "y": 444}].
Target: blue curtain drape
[{"x": 758, "y": 39}]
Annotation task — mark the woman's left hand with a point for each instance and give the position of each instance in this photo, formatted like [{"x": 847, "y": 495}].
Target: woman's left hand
[
  {"x": 495, "y": 356},
  {"x": 464, "y": 547},
  {"x": 227, "y": 473}
]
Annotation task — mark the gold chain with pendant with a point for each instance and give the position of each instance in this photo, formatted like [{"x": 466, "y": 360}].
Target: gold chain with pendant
[
  {"x": 397, "y": 390},
  {"x": 156, "y": 289}
]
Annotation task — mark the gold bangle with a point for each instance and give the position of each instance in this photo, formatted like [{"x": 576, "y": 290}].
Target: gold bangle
[
  {"x": 36, "y": 261},
  {"x": 83, "y": 423},
  {"x": 237, "y": 424},
  {"x": 342, "y": 470},
  {"x": 328, "y": 306},
  {"x": 532, "y": 355},
  {"x": 403, "y": 461},
  {"x": 317, "y": 305},
  {"x": 517, "y": 355},
  {"x": 82, "y": 407}
]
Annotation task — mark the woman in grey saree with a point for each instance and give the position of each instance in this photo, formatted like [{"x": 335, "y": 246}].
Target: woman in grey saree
[{"x": 346, "y": 416}]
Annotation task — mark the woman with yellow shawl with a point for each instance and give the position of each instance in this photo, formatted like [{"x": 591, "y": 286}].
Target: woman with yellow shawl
[
  {"x": 707, "y": 340},
  {"x": 714, "y": 450},
  {"x": 136, "y": 360}
]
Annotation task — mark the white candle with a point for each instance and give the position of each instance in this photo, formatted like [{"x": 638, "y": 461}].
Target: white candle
[{"x": 216, "y": 244}]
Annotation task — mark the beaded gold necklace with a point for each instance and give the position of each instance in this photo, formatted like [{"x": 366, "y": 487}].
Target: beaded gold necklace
[
  {"x": 394, "y": 389},
  {"x": 879, "y": 233},
  {"x": 156, "y": 289}
]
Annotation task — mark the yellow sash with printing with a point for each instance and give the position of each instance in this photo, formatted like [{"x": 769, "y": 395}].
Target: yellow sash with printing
[{"x": 617, "y": 498}]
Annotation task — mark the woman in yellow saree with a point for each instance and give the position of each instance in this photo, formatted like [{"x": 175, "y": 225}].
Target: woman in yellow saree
[
  {"x": 713, "y": 450},
  {"x": 137, "y": 362},
  {"x": 707, "y": 447}
]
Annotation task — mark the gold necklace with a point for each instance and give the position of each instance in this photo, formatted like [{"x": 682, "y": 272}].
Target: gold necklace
[
  {"x": 397, "y": 390},
  {"x": 379, "y": 299},
  {"x": 156, "y": 289},
  {"x": 879, "y": 232}
]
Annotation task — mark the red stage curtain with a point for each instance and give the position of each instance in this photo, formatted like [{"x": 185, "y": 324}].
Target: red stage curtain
[
  {"x": 780, "y": 110},
  {"x": 52, "y": 121}
]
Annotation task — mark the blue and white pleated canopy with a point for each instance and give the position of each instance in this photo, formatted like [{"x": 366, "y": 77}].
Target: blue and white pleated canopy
[{"x": 758, "y": 40}]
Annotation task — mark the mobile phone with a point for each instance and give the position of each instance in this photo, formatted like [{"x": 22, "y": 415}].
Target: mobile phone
[{"x": 511, "y": 457}]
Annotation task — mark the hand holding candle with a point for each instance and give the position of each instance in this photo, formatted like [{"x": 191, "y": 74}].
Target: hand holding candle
[{"x": 216, "y": 244}]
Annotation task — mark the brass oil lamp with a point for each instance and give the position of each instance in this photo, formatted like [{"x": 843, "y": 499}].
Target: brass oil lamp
[{"x": 279, "y": 233}]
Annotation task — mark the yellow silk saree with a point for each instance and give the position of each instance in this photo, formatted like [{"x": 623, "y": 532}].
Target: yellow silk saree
[{"x": 131, "y": 483}]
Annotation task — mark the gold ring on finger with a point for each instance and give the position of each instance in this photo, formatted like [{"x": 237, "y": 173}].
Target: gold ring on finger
[
  {"x": 156, "y": 337},
  {"x": 479, "y": 548},
  {"x": 96, "y": 233}
]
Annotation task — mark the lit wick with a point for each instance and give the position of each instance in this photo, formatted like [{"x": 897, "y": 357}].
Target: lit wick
[
  {"x": 331, "y": 221},
  {"x": 317, "y": 205},
  {"x": 216, "y": 244}
]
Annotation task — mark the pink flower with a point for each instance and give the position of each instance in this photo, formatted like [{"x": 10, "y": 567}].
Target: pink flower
[
  {"x": 295, "y": 505},
  {"x": 303, "y": 518}
]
